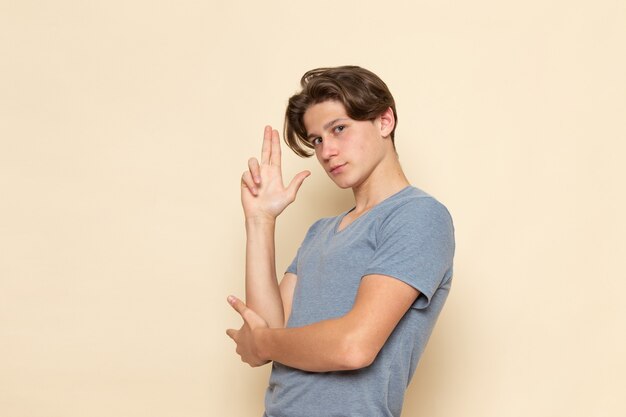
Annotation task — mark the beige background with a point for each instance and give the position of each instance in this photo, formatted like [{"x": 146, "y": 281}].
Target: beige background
[{"x": 124, "y": 128}]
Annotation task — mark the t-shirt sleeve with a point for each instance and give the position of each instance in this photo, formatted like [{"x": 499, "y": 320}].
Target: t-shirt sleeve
[
  {"x": 293, "y": 266},
  {"x": 415, "y": 244}
]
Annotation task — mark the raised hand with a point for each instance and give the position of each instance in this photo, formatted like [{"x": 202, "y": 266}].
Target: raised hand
[{"x": 263, "y": 193}]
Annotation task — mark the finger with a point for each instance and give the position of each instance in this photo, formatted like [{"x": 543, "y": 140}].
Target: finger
[
  {"x": 249, "y": 316},
  {"x": 275, "y": 155},
  {"x": 247, "y": 182},
  {"x": 253, "y": 166},
  {"x": 232, "y": 333},
  {"x": 296, "y": 182},
  {"x": 267, "y": 145},
  {"x": 237, "y": 304}
]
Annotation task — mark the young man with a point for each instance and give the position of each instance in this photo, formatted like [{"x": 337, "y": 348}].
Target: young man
[{"x": 347, "y": 324}]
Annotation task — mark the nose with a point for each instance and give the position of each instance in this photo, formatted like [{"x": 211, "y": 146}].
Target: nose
[{"x": 329, "y": 148}]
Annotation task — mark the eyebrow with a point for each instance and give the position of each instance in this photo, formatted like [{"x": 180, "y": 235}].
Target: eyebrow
[{"x": 326, "y": 126}]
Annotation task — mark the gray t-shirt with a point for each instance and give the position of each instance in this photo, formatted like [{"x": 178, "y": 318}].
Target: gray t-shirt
[{"x": 410, "y": 237}]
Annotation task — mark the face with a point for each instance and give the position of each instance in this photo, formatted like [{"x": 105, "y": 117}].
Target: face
[{"x": 350, "y": 151}]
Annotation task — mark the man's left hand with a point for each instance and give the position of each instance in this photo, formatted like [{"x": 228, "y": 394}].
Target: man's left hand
[{"x": 244, "y": 337}]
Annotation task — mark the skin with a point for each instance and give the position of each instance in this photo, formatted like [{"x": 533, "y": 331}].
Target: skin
[{"x": 354, "y": 154}]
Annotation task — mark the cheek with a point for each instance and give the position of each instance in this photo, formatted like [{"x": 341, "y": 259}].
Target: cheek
[
  {"x": 364, "y": 148},
  {"x": 318, "y": 155}
]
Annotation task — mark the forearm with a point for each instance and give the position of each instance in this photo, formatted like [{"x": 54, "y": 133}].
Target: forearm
[
  {"x": 329, "y": 345},
  {"x": 349, "y": 342},
  {"x": 262, "y": 291}
]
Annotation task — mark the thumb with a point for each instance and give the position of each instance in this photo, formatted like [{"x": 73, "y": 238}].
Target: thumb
[
  {"x": 296, "y": 182},
  {"x": 251, "y": 318},
  {"x": 239, "y": 306}
]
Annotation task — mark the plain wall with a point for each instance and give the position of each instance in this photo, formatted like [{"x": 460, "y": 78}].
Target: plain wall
[{"x": 125, "y": 127}]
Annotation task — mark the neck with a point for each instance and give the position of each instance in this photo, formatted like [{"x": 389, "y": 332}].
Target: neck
[{"x": 386, "y": 180}]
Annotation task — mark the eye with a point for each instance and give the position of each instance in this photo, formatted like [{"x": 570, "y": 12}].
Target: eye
[
  {"x": 316, "y": 141},
  {"x": 339, "y": 128}
]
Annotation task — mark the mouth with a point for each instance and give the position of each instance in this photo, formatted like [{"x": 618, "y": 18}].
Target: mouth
[{"x": 336, "y": 169}]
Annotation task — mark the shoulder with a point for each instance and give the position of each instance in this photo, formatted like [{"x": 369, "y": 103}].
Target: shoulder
[
  {"x": 414, "y": 207},
  {"x": 320, "y": 226}
]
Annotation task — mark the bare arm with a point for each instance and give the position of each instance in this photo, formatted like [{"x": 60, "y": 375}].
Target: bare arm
[
  {"x": 287, "y": 288},
  {"x": 264, "y": 197},
  {"x": 348, "y": 342}
]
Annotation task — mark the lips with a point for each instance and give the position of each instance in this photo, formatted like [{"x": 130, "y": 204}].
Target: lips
[{"x": 336, "y": 169}]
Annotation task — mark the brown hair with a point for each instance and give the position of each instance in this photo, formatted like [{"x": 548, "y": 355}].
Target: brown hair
[{"x": 364, "y": 95}]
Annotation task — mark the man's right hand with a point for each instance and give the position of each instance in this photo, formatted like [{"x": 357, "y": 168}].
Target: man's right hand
[{"x": 263, "y": 194}]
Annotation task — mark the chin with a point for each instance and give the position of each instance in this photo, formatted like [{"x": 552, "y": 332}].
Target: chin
[
  {"x": 340, "y": 183},
  {"x": 345, "y": 183}
]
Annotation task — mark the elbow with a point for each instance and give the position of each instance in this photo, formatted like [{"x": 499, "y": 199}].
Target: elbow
[{"x": 356, "y": 354}]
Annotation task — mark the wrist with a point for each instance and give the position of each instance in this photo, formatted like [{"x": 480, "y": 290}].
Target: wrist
[
  {"x": 260, "y": 220},
  {"x": 260, "y": 337}
]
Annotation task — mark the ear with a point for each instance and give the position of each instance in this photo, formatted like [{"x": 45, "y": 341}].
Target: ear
[{"x": 387, "y": 122}]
